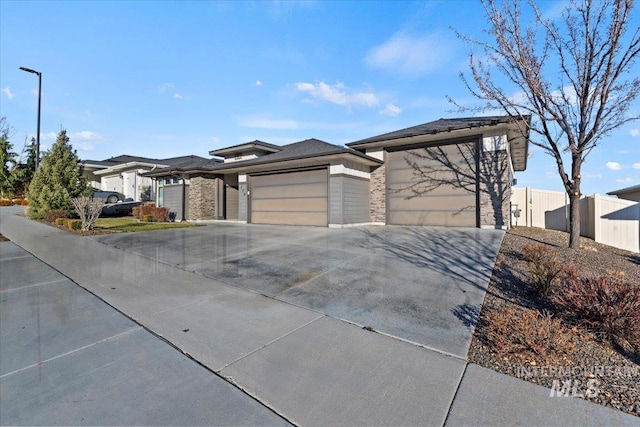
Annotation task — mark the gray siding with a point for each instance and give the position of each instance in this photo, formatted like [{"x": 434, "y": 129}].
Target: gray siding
[
  {"x": 242, "y": 201},
  {"x": 335, "y": 199},
  {"x": 172, "y": 199},
  {"x": 355, "y": 193},
  {"x": 348, "y": 199}
]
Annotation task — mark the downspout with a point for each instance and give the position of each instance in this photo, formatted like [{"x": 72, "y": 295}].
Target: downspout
[{"x": 184, "y": 197}]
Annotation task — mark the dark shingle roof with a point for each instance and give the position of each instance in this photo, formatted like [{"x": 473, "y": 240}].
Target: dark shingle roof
[
  {"x": 125, "y": 158},
  {"x": 625, "y": 190},
  {"x": 260, "y": 145},
  {"x": 435, "y": 127},
  {"x": 298, "y": 150}
]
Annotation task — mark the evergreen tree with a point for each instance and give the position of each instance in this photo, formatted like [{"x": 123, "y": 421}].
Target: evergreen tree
[
  {"x": 25, "y": 170},
  {"x": 57, "y": 180},
  {"x": 7, "y": 163}
]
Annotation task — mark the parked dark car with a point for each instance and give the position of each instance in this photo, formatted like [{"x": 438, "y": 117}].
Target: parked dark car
[{"x": 109, "y": 196}]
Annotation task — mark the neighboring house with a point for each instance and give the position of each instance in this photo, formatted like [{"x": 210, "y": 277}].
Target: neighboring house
[
  {"x": 629, "y": 193},
  {"x": 124, "y": 174},
  {"x": 450, "y": 172}
]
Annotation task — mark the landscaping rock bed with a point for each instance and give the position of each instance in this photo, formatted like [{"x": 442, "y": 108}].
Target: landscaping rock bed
[{"x": 588, "y": 366}]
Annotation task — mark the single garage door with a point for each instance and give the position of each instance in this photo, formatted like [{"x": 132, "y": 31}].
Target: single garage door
[
  {"x": 112, "y": 183},
  {"x": 296, "y": 198},
  {"x": 172, "y": 199},
  {"x": 444, "y": 178}
]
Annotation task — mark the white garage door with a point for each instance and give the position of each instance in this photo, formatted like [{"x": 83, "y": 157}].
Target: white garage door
[
  {"x": 296, "y": 198},
  {"x": 434, "y": 186},
  {"x": 112, "y": 183}
]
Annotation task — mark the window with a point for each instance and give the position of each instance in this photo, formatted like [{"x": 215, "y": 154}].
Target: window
[{"x": 176, "y": 180}]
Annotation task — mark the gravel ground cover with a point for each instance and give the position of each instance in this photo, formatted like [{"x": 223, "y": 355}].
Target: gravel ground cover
[{"x": 588, "y": 367}]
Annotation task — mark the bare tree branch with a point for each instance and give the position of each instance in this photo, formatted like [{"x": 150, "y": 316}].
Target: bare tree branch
[{"x": 573, "y": 75}]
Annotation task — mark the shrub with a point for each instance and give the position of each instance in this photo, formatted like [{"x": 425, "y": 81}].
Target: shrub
[
  {"x": 160, "y": 214},
  {"x": 5, "y": 202},
  {"x": 514, "y": 331},
  {"x": 88, "y": 209},
  {"x": 61, "y": 221},
  {"x": 51, "y": 216},
  {"x": 544, "y": 267},
  {"x": 609, "y": 306},
  {"x": 147, "y": 218},
  {"x": 74, "y": 224}
]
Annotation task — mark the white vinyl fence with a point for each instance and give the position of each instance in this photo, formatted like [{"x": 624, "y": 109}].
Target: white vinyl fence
[{"x": 611, "y": 221}]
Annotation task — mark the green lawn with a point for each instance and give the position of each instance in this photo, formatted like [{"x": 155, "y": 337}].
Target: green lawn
[{"x": 130, "y": 224}]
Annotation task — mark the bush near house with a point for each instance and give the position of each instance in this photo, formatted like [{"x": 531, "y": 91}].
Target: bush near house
[
  {"x": 61, "y": 221},
  {"x": 157, "y": 214},
  {"x": 147, "y": 218},
  {"x": 54, "y": 214},
  {"x": 74, "y": 224},
  {"x": 610, "y": 306},
  {"x": 6, "y": 202}
]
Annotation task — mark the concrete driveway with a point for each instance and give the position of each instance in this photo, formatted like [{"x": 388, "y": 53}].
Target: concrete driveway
[
  {"x": 421, "y": 284},
  {"x": 306, "y": 367}
]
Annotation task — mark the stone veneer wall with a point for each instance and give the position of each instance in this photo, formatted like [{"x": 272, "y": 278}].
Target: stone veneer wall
[
  {"x": 377, "y": 195},
  {"x": 495, "y": 179},
  {"x": 202, "y": 197}
]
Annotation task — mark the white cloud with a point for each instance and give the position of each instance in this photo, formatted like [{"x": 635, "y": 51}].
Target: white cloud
[
  {"x": 258, "y": 83},
  {"x": 636, "y": 166},
  {"x": 338, "y": 94},
  {"x": 164, "y": 87},
  {"x": 614, "y": 166},
  {"x": 214, "y": 140},
  {"x": 391, "y": 110},
  {"x": 177, "y": 96},
  {"x": 410, "y": 55},
  {"x": 632, "y": 132},
  {"x": 35, "y": 92},
  {"x": 7, "y": 92},
  {"x": 50, "y": 136},
  {"x": 85, "y": 135},
  {"x": 626, "y": 180}
]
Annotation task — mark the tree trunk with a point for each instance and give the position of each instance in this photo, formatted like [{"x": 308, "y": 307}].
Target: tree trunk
[{"x": 574, "y": 220}]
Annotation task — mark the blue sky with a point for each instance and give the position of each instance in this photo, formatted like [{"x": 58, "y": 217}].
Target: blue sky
[{"x": 162, "y": 79}]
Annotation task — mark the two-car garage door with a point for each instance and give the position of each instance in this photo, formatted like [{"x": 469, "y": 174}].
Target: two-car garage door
[
  {"x": 432, "y": 186},
  {"x": 295, "y": 198}
]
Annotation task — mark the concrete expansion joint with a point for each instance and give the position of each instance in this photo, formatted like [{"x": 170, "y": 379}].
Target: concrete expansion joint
[
  {"x": 16, "y": 257},
  {"x": 417, "y": 344},
  {"x": 453, "y": 398},
  {"x": 51, "y": 282},
  {"x": 42, "y": 362},
  {"x": 270, "y": 343},
  {"x": 255, "y": 397}
]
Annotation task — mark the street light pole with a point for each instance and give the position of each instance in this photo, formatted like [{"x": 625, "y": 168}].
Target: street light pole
[{"x": 39, "y": 74}]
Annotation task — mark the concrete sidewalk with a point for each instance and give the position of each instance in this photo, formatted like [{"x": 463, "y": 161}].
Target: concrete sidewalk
[{"x": 310, "y": 368}]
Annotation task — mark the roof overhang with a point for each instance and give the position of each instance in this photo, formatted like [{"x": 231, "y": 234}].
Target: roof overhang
[
  {"x": 275, "y": 165},
  {"x": 130, "y": 165},
  {"x": 230, "y": 151},
  {"x": 518, "y": 141}
]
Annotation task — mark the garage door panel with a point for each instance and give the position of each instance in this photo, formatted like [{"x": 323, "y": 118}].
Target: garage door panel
[
  {"x": 403, "y": 190},
  {"x": 303, "y": 177},
  {"x": 296, "y": 198},
  {"x": 452, "y": 203},
  {"x": 405, "y": 176},
  {"x": 445, "y": 219},
  {"x": 301, "y": 204},
  {"x": 444, "y": 203},
  {"x": 290, "y": 191},
  {"x": 290, "y": 218}
]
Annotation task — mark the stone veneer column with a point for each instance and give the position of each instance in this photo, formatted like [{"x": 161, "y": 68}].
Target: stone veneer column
[
  {"x": 202, "y": 197},
  {"x": 377, "y": 188}
]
